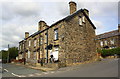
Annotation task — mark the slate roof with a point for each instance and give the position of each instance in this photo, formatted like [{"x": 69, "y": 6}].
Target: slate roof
[
  {"x": 108, "y": 34},
  {"x": 70, "y": 16},
  {"x": 66, "y": 18}
]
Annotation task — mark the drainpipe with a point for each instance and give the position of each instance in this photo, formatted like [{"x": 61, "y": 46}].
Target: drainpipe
[
  {"x": 39, "y": 49},
  {"x": 24, "y": 52},
  {"x": 47, "y": 46}
]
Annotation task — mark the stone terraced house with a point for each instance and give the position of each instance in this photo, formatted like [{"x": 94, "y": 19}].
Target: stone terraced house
[
  {"x": 68, "y": 41},
  {"x": 108, "y": 40}
]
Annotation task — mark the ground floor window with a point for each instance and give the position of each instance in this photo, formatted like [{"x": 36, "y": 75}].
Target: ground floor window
[
  {"x": 34, "y": 55},
  {"x": 55, "y": 53},
  {"x": 22, "y": 55},
  {"x": 28, "y": 54}
]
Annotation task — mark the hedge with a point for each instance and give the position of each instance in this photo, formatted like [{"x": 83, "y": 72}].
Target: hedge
[{"x": 109, "y": 52}]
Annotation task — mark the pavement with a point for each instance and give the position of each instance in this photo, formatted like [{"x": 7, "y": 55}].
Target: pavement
[
  {"x": 37, "y": 68},
  {"x": 104, "y": 68}
]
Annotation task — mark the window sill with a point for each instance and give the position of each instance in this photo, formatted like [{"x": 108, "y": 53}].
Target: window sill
[{"x": 56, "y": 39}]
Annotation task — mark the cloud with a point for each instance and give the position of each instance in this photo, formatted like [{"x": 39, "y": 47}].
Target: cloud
[
  {"x": 63, "y": 8},
  {"x": 96, "y": 9},
  {"x": 119, "y": 12},
  {"x": 14, "y": 34},
  {"x": 23, "y": 15},
  {"x": 99, "y": 26},
  {"x": 12, "y": 10},
  {"x": 16, "y": 19}
]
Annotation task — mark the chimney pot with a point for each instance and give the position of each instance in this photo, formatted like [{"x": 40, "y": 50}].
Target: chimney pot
[
  {"x": 26, "y": 34},
  {"x": 41, "y": 25},
  {"x": 87, "y": 12},
  {"x": 73, "y": 7}
]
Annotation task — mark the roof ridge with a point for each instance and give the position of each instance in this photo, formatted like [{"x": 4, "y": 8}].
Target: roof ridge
[{"x": 107, "y": 32}]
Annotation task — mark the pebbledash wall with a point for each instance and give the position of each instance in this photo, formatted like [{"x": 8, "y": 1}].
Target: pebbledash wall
[
  {"x": 108, "y": 40},
  {"x": 70, "y": 40}
]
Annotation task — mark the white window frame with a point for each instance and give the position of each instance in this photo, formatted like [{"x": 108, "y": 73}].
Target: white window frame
[
  {"x": 22, "y": 55},
  {"x": 83, "y": 19},
  {"x": 35, "y": 42},
  {"x": 80, "y": 21},
  {"x": 56, "y": 34},
  {"x": 20, "y": 47},
  {"x": 29, "y": 42},
  {"x": 23, "y": 46},
  {"x": 56, "y": 53},
  {"x": 101, "y": 43},
  {"x": 34, "y": 55},
  {"x": 105, "y": 42},
  {"x": 46, "y": 38},
  {"x": 28, "y": 54},
  {"x": 41, "y": 40},
  {"x": 112, "y": 41}
]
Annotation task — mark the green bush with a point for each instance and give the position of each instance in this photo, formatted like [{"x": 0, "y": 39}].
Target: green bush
[
  {"x": 13, "y": 53},
  {"x": 109, "y": 52}
]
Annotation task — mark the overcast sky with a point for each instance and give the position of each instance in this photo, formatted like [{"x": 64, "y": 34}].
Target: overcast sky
[{"x": 19, "y": 16}]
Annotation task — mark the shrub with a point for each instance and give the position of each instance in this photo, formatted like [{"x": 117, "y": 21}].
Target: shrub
[{"x": 109, "y": 52}]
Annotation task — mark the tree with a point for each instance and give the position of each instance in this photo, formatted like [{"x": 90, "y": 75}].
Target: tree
[
  {"x": 13, "y": 53},
  {"x": 4, "y": 54}
]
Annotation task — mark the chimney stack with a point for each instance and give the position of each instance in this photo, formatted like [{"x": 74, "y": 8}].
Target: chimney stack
[
  {"x": 119, "y": 28},
  {"x": 26, "y": 34},
  {"x": 41, "y": 25},
  {"x": 87, "y": 12},
  {"x": 73, "y": 7}
]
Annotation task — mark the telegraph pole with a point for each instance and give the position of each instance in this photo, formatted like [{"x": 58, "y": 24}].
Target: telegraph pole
[{"x": 8, "y": 55}]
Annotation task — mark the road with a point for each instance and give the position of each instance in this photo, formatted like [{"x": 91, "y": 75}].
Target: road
[
  {"x": 104, "y": 68},
  {"x": 11, "y": 70},
  {"x": 0, "y": 69}
]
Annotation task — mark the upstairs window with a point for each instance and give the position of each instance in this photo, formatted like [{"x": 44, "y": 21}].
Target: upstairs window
[
  {"x": 80, "y": 21},
  {"x": 35, "y": 42},
  {"x": 56, "y": 34},
  {"x": 41, "y": 40},
  {"x": 83, "y": 19},
  {"x": 105, "y": 42},
  {"x": 28, "y": 54},
  {"x": 46, "y": 36},
  {"x": 112, "y": 41},
  {"x": 29, "y": 43},
  {"x": 34, "y": 55},
  {"x": 101, "y": 43},
  {"x": 23, "y": 47},
  {"x": 20, "y": 47}
]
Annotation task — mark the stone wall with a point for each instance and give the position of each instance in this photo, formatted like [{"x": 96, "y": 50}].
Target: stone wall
[
  {"x": 79, "y": 41},
  {"x": 59, "y": 42},
  {"x": 76, "y": 43},
  {"x": 109, "y": 44}
]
